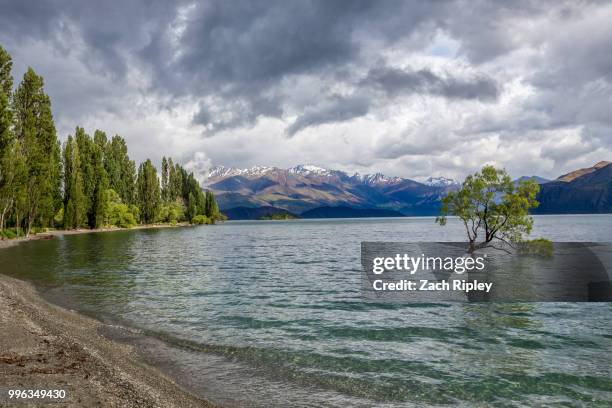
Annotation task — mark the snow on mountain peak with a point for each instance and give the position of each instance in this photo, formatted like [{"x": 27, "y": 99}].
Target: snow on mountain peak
[
  {"x": 308, "y": 169},
  {"x": 222, "y": 171},
  {"x": 440, "y": 181},
  {"x": 378, "y": 178}
]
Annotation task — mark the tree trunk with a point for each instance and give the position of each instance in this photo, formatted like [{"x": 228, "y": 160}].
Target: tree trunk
[
  {"x": 472, "y": 247},
  {"x": 3, "y": 215}
]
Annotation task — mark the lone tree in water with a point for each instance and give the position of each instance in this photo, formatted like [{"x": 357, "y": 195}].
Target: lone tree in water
[{"x": 493, "y": 209}]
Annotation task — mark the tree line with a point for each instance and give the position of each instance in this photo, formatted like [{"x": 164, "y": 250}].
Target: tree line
[{"x": 89, "y": 181}]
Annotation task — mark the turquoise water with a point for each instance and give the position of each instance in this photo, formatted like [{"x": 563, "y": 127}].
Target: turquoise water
[{"x": 271, "y": 314}]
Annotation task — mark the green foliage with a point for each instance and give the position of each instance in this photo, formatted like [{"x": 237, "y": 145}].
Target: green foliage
[
  {"x": 87, "y": 182},
  {"x": 8, "y": 233},
  {"x": 95, "y": 179},
  {"x": 175, "y": 182},
  {"x": 6, "y": 113},
  {"x": 58, "y": 218},
  {"x": 74, "y": 197},
  {"x": 200, "y": 220},
  {"x": 116, "y": 212},
  {"x": 492, "y": 208},
  {"x": 192, "y": 208},
  {"x": 121, "y": 171},
  {"x": 149, "y": 198},
  {"x": 164, "y": 180},
  {"x": 172, "y": 212},
  {"x": 212, "y": 209},
  {"x": 6, "y": 122},
  {"x": 539, "y": 246},
  {"x": 135, "y": 212},
  {"x": 35, "y": 131},
  {"x": 8, "y": 182}
]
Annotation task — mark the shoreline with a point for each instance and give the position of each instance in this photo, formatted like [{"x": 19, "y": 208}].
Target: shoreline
[
  {"x": 5, "y": 243},
  {"x": 45, "y": 346}
]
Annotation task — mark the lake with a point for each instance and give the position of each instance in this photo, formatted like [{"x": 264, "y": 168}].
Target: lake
[{"x": 270, "y": 313}]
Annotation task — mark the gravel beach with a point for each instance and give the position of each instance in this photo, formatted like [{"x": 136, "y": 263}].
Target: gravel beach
[{"x": 43, "y": 346}]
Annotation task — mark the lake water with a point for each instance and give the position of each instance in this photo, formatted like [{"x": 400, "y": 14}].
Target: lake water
[{"x": 270, "y": 313}]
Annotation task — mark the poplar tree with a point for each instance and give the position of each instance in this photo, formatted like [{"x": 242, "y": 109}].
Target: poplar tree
[
  {"x": 6, "y": 113},
  {"x": 7, "y": 145},
  {"x": 42, "y": 183},
  {"x": 164, "y": 180},
  {"x": 148, "y": 192},
  {"x": 99, "y": 196},
  {"x": 85, "y": 147},
  {"x": 35, "y": 131},
  {"x": 120, "y": 169},
  {"x": 74, "y": 200},
  {"x": 175, "y": 181}
]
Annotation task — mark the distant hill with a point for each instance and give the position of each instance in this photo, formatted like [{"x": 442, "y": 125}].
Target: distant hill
[
  {"x": 537, "y": 179},
  {"x": 348, "y": 212},
  {"x": 581, "y": 172},
  {"x": 584, "y": 191},
  {"x": 255, "y": 213}
]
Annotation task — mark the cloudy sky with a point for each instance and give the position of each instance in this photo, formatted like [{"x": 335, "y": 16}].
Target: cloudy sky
[{"x": 411, "y": 89}]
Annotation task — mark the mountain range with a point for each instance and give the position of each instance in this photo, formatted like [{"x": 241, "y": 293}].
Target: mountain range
[
  {"x": 309, "y": 191},
  {"x": 306, "y": 187}
]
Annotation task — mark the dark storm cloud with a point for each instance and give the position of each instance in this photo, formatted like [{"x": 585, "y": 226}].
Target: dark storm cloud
[
  {"x": 232, "y": 42},
  {"x": 336, "y": 109},
  {"x": 236, "y": 112},
  {"x": 234, "y": 50},
  {"x": 239, "y": 49},
  {"x": 395, "y": 81},
  {"x": 109, "y": 30},
  {"x": 392, "y": 82},
  {"x": 230, "y": 64}
]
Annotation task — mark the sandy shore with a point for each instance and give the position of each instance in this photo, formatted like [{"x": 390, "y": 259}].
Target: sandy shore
[{"x": 43, "y": 346}]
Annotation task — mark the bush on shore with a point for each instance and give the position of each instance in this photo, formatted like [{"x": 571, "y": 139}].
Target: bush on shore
[{"x": 200, "y": 220}]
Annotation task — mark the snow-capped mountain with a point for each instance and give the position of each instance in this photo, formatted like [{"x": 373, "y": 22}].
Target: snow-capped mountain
[
  {"x": 220, "y": 172},
  {"x": 441, "y": 182},
  {"x": 309, "y": 169},
  {"x": 306, "y": 186},
  {"x": 378, "y": 178}
]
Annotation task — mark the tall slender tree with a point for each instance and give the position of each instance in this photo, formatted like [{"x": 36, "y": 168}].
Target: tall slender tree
[
  {"x": 7, "y": 145},
  {"x": 35, "y": 131},
  {"x": 95, "y": 179},
  {"x": 6, "y": 113},
  {"x": 149, "y": 197},
  {"x": 120, "y": 169},
  {"x": 164, "y": 180},
  {"x": 99, "y": 196},
  {"x": 74, "y": 199}
]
